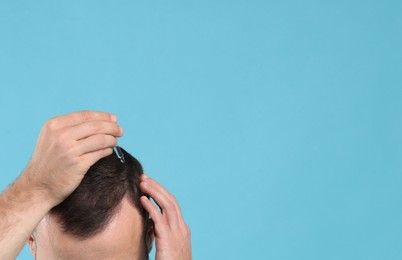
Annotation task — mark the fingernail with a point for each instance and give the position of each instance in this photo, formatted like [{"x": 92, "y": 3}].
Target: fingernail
[{"x": 114, "y": 118}]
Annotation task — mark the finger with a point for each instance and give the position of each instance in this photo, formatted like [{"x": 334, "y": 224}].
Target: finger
[
  {"x": 78, "y": 118},
  {"x": 90, "y": 128},
  {"x": 95, "y": 143},
  {"x": 156, "y": 184},
  {"x": 165, "y": 202},
  {"x": 92, "y": 158},
  {"x": 153, "y": 211},
  {"x": 162, "y": 190}
]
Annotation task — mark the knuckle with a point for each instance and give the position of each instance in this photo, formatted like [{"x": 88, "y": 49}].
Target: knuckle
[
  {"x": 106, "y": 141},
  {"x": 85, "y": 114},
  {"x": 170, "y": 205},
  {"x": 102, "y": 141},
  {"x": 116, "y": 129},
  {"x": 110, "y": 141},
  {"x": 50, "y": 124},
  {"x": 173, "y": 199},
  {"x": 95, "y": 127},
  {"x": 111, "y": 128},
  {"x": 188, "y": 230}
]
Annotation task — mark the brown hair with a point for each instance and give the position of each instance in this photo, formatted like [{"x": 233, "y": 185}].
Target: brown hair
[{"x": 88, "y": 210}]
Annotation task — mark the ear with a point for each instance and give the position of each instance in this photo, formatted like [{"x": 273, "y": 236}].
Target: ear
[
  {"x": 149, "y": 235},
  {"x": 32, "y": 245}
]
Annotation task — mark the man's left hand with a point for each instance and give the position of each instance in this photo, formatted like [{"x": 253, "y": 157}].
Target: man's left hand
[{"x": 172, "y": 234}]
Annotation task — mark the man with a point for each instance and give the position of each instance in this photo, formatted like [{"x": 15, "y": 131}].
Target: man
[{"x": 38, "y": 207}]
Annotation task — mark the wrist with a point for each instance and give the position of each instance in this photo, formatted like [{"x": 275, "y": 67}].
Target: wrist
[
  {"x": 22, "y": 207},
  {"x": 25, "y": 204},
  {"x": 37, "y": 190}
]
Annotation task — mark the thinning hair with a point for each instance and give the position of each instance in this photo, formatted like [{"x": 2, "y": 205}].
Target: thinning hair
[{"x": 89, "y": 209}]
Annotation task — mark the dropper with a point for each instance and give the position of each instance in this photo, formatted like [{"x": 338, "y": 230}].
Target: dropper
[{"x": 119, "y": 153}]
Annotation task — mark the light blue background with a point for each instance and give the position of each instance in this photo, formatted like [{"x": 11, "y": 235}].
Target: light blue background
[{"x": 277, "y": 124}]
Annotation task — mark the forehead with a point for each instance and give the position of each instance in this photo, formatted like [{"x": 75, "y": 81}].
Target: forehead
[{"x": 122, "y": 237}]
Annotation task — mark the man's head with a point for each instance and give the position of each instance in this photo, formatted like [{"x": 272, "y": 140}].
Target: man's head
[{"x": 102, "y": 219}]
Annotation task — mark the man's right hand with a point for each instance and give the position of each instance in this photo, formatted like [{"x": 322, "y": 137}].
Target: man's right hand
[{"x": 67, "y": 147}]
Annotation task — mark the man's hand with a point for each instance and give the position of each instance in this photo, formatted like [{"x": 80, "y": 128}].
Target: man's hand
[
  {"x": 172, "y": 234},
  {"x": 67, "y": 147}
]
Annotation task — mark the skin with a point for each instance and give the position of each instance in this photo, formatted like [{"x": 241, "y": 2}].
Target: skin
[
  {"x": 122, "y": 239},
  {"x": 172, "y": 234},
  {"x": 74, "y": 142}
]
